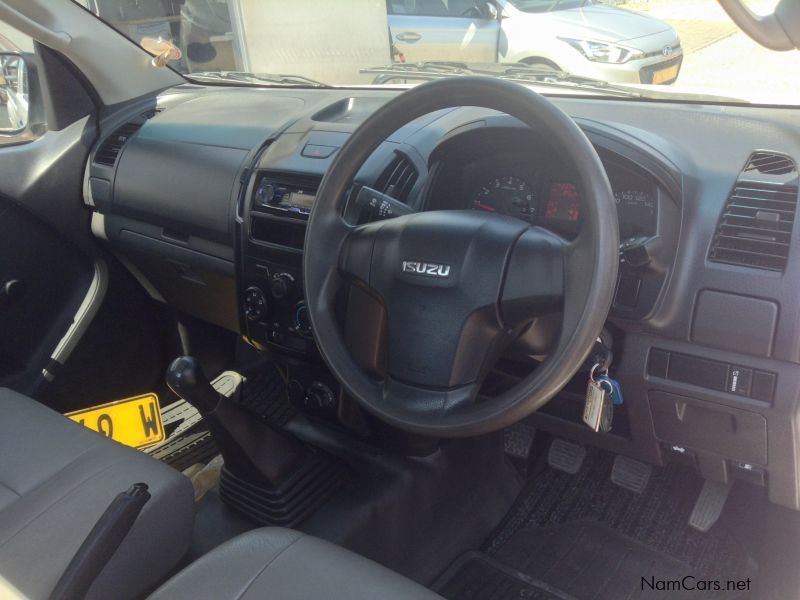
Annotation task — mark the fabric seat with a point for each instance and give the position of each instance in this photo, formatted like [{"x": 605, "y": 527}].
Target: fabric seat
[
  {"x": 282, "y": 564},
  {"x": 56, "y": 480}
]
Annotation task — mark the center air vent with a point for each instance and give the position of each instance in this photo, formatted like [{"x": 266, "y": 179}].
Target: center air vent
[
  {"x": 769, "y": 163},
  {"x": 398, "y": 179},
  {"x": 109, "y": 151},
  {"x": 756, "y": 226}
]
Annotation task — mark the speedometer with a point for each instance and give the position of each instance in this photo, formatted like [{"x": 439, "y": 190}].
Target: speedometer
[{"x": 507, "y": 195}]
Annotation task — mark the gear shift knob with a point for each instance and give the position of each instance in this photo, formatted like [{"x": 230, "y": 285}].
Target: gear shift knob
[{"x": 186, "y": 378}]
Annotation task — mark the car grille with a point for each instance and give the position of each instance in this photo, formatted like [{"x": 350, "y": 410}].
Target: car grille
[{"x": 676, "y": 50}]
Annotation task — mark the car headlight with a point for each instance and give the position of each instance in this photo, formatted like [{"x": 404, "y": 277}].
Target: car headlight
[{"x": 603, "y": 52}]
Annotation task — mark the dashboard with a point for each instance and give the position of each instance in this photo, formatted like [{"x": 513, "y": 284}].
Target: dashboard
[{"x": 705, "y": 316}]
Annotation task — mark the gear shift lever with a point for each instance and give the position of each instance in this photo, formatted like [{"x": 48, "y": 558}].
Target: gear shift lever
[
  {"x": 253, "y": 451},
  {"x": 186, "y": 378}
]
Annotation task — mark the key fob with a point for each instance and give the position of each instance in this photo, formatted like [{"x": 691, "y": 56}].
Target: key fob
[
  {"x": 615, "y": 391},
  {"x": 595, "y": 410}
]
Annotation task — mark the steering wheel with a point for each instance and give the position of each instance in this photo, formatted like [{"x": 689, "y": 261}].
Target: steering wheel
[{"x": 458, "y": 285}]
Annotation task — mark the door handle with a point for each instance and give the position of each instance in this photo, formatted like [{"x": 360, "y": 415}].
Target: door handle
[{"x": 408, "y": 36}]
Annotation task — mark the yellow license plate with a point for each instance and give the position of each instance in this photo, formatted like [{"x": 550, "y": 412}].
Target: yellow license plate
[
  {"x": 135, "y": 422},
  {"x": 665, "y": 74}
]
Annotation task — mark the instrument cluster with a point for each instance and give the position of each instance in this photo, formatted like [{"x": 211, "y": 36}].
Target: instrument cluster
[{"x": 554, "y": 200}]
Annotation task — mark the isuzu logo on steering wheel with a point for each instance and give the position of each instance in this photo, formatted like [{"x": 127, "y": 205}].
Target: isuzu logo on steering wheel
[{"x": 426, "y": 268}]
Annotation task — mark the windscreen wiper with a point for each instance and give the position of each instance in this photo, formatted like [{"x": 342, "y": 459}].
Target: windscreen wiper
[
  {"x": 519, "y": 72},
  {"x": 257, "y": 78}
]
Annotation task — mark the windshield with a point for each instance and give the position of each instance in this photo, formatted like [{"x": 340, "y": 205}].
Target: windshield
[
  {"x": 664, "y": 49},
  {"x": 534, "y": 6}
]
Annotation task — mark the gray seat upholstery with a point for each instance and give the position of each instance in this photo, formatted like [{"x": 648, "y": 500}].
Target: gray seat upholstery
[
  {"x": 282, "y": 564},
  {"x": 56, "y": 479}
]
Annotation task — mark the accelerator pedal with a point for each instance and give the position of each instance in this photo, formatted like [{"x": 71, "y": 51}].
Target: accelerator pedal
[
  {"x": 566, "y": 456},
  {"x": 709, "y": 505},
  {"x": 631, "y": 474}
]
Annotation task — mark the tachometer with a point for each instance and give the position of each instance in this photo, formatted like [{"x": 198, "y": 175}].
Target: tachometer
[{"x": 508, "y": 195}]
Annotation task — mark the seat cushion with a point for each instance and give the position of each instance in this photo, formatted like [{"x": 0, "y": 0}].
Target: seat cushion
[
  {"x": 282, "y": 564},
  {"x": 56, "y": 479}
]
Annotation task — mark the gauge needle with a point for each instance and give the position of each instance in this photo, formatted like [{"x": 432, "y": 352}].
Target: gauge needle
[{"x": 485, "y": 207}]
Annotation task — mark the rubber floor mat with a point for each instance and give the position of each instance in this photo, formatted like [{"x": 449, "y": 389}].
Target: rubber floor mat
[
  {"x": 581, "y": 560},
  {"x": 476, "y": 576},
  {"x": 657, "y": 518}
]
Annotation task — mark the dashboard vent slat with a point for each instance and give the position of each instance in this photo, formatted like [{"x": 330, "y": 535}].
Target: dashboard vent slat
[
  {"x": 756, "y": 226},
  {"x": 109, "y": 151},
  {"x": 770, "y": 163},
  {"x": 398, "y": 179}
]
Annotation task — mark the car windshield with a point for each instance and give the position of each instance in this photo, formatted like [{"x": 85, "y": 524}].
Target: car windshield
[
  {"x": 534, "y": 6},
  {"x": 682, "y": 50}
]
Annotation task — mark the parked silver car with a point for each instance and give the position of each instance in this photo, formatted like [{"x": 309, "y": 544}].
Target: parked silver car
[{"x": 578, "y": 36}]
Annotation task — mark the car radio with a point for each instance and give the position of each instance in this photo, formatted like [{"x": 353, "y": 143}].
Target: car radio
[{"x": 284, "y": 196}]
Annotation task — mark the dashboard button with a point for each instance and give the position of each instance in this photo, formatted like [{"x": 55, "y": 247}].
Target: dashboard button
[
  {"x": 658, "y": 362},
  {"x": 318, "y": 151},
  {"x": 763, "y": 387},
  {"x": 698, "y": 371},
  {"x": 740, "y": 380}
]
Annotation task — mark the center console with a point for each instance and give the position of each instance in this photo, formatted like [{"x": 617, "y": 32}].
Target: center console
[{"x": 273, "y": 311}]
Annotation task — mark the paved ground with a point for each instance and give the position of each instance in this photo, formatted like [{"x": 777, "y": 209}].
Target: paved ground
[{"x": 722, "y": 60}]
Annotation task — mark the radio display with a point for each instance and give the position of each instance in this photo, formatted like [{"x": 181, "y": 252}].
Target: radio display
[
  {"x": 299, "y": 200},
  {"x": 276, "y": 195}
]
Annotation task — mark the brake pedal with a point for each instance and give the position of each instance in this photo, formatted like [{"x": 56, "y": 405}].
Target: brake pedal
[
  {"x": 631, "y": 474},
  {"x": 566, "y": 456},
  {"x": 709, "y": 505}
]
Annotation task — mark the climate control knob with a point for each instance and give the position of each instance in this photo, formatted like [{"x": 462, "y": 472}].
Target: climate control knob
[
  {"x": 320, "y": 396},
  {"x": 281, "y": 286},
  {"x": 302, "y": 322},
  {"x": 255, "y": 304}
]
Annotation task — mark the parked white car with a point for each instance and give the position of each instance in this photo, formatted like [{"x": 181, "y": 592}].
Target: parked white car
[{"x": 578, "y": 36}]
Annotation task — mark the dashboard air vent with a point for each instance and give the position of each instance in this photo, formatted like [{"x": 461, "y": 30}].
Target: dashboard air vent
[
  {"x": 769, "y": 163},
  {"x": 109, "y": 151},
  {"x": 756, "y": 226},
  {"x": 398, "y": 179}
]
